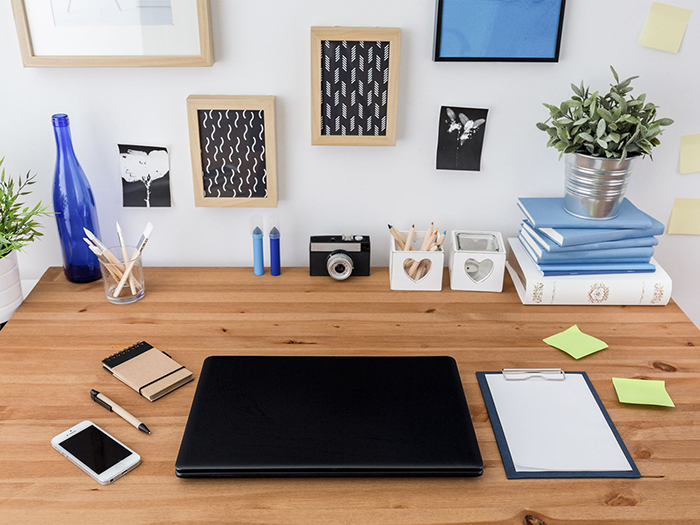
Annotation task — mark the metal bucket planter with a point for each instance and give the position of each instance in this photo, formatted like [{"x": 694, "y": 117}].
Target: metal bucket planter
[
  {"x": 595, "y": 186},
  {"x": 10, "y": 286}
]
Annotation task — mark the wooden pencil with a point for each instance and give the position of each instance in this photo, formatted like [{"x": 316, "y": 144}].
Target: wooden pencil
[
  {"x": 409, "y": 238},
  {"x": 398, "y": 237},
  {"x": 424, "y": 247}
]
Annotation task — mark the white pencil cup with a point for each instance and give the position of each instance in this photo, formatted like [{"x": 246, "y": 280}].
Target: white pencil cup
[
  {"x": 415, "y": 270},
  {"x": 477, "y": 261}
]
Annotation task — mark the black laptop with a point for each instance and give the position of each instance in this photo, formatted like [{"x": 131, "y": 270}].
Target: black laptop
[{"x": 255, "y": 416}]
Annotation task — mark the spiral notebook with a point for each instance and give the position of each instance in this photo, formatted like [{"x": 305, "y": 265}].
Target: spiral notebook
[{"x": 149, "y": 371}]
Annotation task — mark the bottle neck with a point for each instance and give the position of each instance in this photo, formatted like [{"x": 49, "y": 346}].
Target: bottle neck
[{"x": 64, "y": 143}]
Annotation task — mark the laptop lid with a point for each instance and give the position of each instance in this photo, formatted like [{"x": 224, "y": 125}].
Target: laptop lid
[{"x": 261, "y": 416}]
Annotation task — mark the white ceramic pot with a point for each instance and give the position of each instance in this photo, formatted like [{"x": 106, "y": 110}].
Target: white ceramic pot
[{"x": 10, "y": 286}]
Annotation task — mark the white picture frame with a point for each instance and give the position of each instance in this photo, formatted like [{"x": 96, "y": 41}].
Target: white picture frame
[{"x": 49, "y": 40}]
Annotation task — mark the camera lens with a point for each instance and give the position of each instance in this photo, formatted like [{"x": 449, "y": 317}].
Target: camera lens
[{"x": 339, "y": 265}]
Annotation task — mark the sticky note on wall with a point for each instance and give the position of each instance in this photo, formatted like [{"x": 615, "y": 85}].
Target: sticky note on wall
[
  {"x": 665, "y": 27},
  {"x": 685, "y": 217},
  {"x": 690, "y": 153}
]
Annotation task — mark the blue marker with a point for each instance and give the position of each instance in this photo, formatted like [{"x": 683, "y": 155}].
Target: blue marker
[
  {"x": 274, "y": 247},
  {"x": 258, "y": 261}
]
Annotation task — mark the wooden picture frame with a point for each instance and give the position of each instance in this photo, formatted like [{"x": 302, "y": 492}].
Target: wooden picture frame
[
  {"x": 233, "y": 149},
  {"x": 343, "y": 97},
  {"x": 520, "y": 31},
  {"x": 185, "y": 42}
]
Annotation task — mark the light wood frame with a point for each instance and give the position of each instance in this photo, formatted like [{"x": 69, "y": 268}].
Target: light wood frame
[
  {"x": 29, "y": 59},
  {"x": 372, "y": 34},
  {"x": 195, "y": 103}
]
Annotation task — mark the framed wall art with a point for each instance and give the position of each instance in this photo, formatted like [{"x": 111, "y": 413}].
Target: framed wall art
[
  {"x": 498, "y": 30},
  {"x": 113, "y": 33},
  {"x": 354, "y": 85},
  {"x": 233, "y": 148}
]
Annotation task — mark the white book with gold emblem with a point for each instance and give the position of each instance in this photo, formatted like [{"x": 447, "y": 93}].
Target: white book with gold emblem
[{"x": 652, "y": 288}]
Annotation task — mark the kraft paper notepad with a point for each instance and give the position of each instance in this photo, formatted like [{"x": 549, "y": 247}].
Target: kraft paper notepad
[{"x": 149, "y": 371}]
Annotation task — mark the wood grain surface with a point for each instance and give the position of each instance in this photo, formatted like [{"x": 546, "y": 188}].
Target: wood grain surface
[{"x": 50, "y": 355}]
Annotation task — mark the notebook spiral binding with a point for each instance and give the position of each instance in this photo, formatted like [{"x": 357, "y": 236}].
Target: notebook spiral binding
[{"x": 126, "y": 354}]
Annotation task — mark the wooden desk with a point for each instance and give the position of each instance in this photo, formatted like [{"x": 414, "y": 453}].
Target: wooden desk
[{"x": 50, "y": 355}]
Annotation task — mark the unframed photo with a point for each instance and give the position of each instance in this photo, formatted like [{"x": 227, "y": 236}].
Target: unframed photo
[
  {"x": 461, "y": 138},
  {"x": 145, "y": 176}
]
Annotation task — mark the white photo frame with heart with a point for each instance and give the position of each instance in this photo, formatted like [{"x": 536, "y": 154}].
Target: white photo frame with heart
[
  {"x": 477, "y": 261},
  {"x": 429, "y": 268}
]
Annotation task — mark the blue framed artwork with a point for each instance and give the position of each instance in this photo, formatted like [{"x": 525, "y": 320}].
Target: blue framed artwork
[{"x": 498, "y": 30}]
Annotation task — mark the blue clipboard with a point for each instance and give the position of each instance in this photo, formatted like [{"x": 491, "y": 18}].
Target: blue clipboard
[{"x": 548, "y": 374}]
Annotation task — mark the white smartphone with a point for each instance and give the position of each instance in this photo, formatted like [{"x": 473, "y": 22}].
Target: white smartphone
[{"x": 98, "y": 454}]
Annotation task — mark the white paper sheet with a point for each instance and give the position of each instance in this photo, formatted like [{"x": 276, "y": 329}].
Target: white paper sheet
[{"x": 555, "y": 426}]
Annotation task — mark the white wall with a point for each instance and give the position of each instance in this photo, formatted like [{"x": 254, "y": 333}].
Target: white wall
[{"x": 262, "y": 48}]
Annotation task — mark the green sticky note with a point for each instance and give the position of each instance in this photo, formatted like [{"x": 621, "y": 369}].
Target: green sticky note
[
  {"x": 575, "y": 343},
  {"x": 665, "y": 27},
  {"x": 690, "y": 153},
  {"x": 642, "y": 392},
  {"x": 685, "y": 217}
]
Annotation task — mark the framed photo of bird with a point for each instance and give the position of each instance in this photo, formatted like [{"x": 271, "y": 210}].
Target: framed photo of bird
[
  {"x": 461, "y": 138},
  {"x": 233, "y": 149},
  {"x": 354, "y": 85}
]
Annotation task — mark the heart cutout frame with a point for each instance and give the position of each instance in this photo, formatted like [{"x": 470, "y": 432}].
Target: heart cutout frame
[
  {"x": 416, "y": 271},
  {"x": 478, "y": 271}
]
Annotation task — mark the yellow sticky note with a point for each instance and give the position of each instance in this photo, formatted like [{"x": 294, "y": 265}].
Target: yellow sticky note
[
  {"x": 575, "y": 343},
  {"x": 685, "y": 217},
  {"x": 665, "y": 27},
  {"x": 690, "y": 153},
  {"x": 642, "y": 392}
]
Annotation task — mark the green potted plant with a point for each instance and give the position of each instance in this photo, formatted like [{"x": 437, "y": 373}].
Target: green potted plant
[
  {"x": 601, "y": 137},
  {"x": 18, "y": 227}
]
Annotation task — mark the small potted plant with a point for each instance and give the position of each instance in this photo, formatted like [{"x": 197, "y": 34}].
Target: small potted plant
[
  {"x": 601, "y": 137},
  {"x": 18, "y": 227}
]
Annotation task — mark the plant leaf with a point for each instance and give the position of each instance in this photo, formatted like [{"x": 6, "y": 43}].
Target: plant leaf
[
  {"x": 600, "y": 130},
  {"x": 617, "y": 78}
]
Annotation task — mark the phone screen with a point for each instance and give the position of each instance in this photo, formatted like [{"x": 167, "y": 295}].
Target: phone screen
[{"x": 96, "y": 449}]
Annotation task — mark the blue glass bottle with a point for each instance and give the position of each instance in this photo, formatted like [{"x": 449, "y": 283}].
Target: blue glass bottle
[{"x": 75, "y": 208}]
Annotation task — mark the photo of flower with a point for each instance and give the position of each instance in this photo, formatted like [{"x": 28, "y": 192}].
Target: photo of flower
[
  {"x": 145, "y": 176},
  {"x": 460, "y": 138}
]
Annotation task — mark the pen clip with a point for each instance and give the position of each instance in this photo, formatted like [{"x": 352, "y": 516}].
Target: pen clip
[
  {"x": 94, "y": 394},
  {"x": 522, "y": 374}
]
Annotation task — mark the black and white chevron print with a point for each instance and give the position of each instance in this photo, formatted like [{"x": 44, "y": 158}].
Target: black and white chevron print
[
  {"x": 354, "y": 87},
  {"x": 232, "y": 143}
]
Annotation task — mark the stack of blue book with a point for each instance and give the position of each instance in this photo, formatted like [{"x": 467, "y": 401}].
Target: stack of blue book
[{"x": 561, "y": 244}]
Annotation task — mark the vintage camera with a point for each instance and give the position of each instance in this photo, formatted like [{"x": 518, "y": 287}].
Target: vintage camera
[{"x": 339, "y": 255}]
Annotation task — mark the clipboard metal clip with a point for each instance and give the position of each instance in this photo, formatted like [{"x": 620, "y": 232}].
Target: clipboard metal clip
[{"x": 521, "y": 374}]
